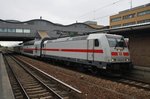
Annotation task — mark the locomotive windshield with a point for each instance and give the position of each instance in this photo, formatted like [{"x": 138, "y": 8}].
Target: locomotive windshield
[{"x": 116, "y": 42}]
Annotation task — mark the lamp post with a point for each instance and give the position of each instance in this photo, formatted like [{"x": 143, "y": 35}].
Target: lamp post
[{"x": 131, "y": 4}]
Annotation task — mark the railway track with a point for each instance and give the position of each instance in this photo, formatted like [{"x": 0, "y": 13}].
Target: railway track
[
  {"x": 129, "y": 81},
  {"x": 16, "y": 87},
  {"x": 134, "y": 82},
  {"x": 30, "y": 82}
]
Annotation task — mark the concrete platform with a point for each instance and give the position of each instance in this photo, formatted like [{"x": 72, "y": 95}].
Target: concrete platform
[{"x": 5, "y": 87}]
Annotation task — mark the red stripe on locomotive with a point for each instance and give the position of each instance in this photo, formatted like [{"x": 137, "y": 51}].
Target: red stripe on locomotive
[{"x": 68, "y": 50}]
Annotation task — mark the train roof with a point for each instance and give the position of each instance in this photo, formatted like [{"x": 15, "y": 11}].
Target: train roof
[
  {"x": 90, "y": 36},
  {"x": 99, "y": 35},
  {"x": 69, "y": 39},
  {"x": 96, "y": 35}
]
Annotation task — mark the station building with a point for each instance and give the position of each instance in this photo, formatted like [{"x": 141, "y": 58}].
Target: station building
[
  {"x": 137, "y": 15},
  {"x": 14, "y": 30}
]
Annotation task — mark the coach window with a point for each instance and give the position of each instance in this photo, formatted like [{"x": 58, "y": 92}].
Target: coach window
[{"x": 96, "y": 42}]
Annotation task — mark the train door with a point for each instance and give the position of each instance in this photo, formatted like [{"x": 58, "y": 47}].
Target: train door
[
  {"x": 96, "y": 49},
  {"x": 90, "y": 52},
  {"x": 37, "y": 50}
]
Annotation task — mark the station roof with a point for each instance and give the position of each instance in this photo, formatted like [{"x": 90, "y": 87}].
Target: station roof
[
  {"x": 34, "y": 20},
  {"x": 125, "y": 29}
]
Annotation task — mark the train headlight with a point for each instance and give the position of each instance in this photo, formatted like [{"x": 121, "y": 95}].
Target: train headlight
[
  {"x": 113, "y": 60},
  {"x": 126, "y": 59}
]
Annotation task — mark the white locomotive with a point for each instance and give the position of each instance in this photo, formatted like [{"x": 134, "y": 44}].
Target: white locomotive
[{"x": 96, "y": 51}]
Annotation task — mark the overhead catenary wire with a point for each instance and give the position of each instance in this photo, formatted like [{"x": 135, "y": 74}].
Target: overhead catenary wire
[
  {"x": 103, "y": 7},
  {"x": 98, "y": 10}
]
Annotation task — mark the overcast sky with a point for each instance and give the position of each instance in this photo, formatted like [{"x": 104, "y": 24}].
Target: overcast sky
[{"x": 65, "y": 11}]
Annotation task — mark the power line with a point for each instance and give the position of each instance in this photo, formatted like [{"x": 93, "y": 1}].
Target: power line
[
  {"x": 102, "y": 17},
  {"x": 100, "y": 8}
]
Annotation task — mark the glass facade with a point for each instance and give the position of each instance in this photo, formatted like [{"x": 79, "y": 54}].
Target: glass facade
[
  {"x": 3, "y": 30},
  {"x": 19, "y": 30},
  {"x": 11, "y": 30},
  {"x": 130, "y": 23},
  {"x": 129, "y": 16},
  {"x": 143, "y": 21},
  {"x": 115, "y": 26},
  {"x": 116, "y": 19},
  {"x": 143, "y": 13},
  {"x": 26, "y": 30}
]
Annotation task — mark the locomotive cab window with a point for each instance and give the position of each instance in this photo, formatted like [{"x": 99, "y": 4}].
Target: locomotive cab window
[
  {"x": 116, "y": 42},
  {"x": 96, "y": 43}
]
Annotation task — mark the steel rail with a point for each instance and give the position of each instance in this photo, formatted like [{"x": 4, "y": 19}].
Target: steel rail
[
  {"x": 18, "y": 81},
  {"x": 51, "y": 77},
  {"x": 135, "y": 82},
  {"x": 51, "y": 90}
]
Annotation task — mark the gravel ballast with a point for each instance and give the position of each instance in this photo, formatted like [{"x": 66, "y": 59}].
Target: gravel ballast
[{"x": 91, "y": 87}]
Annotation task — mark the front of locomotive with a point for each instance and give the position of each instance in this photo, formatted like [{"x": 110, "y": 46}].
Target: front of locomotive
[{"x": 119, "y": 56}]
